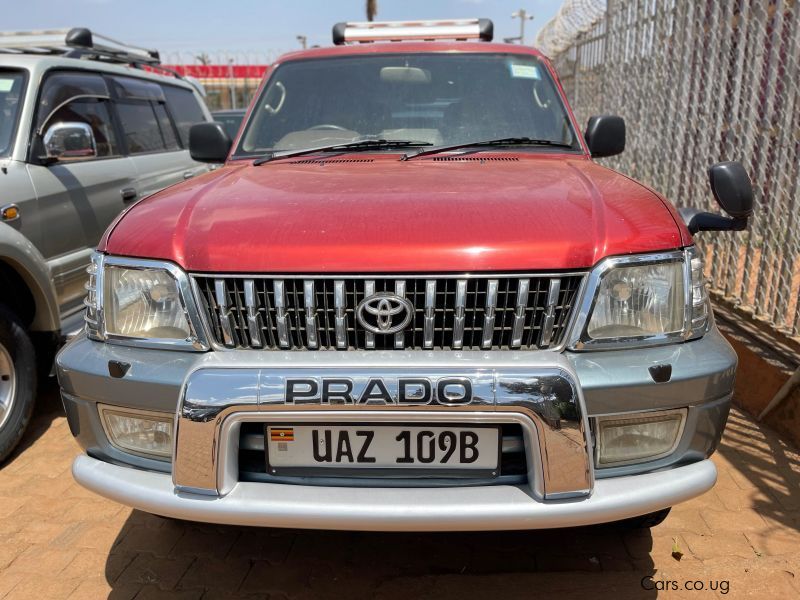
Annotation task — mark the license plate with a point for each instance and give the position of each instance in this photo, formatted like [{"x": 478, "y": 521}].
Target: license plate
[{"x": 393, "y": 450}]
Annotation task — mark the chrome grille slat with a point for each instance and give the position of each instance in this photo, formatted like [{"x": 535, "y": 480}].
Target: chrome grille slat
[
  {"x": 225, "y": 314},
  {"x": 430, "y": 312},
  {"x": 400, "y": 337},
  {"x": 369, "y": 337},
  {"x": 309, "y": 301},
  {"x": 550, "y": 314},
  {"x": 489, "y": 314},
  {"x": 459, "y": 315},
  {"x": 279, "y": 301},
  {"x": 339, "y": 301},
  {"x": 519, "y": 312},
  {"x": 254, "y": 322},
  {"x": 470, "y": 312}
]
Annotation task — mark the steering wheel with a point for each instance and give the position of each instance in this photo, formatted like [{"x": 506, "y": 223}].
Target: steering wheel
[
  {"x": 328, "y": 126},
  {"x": 276, "y": 109}
]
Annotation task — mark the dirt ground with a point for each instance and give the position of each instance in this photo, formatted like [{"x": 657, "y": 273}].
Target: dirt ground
[{"x": 741, "y": 540}]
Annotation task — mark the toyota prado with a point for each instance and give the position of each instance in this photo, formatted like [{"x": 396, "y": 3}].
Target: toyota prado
[{"x": 411, "y": 299}]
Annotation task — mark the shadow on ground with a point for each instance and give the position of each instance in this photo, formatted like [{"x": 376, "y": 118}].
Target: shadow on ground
[
  {"x": 766, "y": 465},
  {"x": 47, "y": 409},
  {"x": 241, "y": 562}
]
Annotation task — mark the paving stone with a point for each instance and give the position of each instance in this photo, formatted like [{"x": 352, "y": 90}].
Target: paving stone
[
  {"x": 36, "y": 558},
  {"x": 265, "y": 577},
  {"x": 208, "y": 573},
  {"x": 98, "y": 587},
  {"x": 56, "y": 588},
  {"x": 159, "y": 542},
  {"x": 205, "y": 541},
  {"x": 153, "y": 593},
  {"x": 719, "y": 543},
  {"x": 148, "y": 569}
]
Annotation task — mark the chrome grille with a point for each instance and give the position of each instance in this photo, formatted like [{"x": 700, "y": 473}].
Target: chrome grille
[{"x": 471, "y": 313}]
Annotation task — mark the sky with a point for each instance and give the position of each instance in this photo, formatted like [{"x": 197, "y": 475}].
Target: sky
[{"x": 251, "y": 30}]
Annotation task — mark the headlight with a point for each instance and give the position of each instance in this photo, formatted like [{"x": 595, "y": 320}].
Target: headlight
[
  {"x": 142, "y": 302},
  {"x": 645, "y": 300},
  {"x": 139, "y": 432},
  {"x": 641, "y": 300}
]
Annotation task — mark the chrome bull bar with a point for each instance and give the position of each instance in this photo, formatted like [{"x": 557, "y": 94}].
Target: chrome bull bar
[{"x": 544, "y": 400}]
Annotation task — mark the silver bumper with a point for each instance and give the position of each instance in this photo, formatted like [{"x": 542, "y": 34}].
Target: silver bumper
[{"x": 395, "y": 509}]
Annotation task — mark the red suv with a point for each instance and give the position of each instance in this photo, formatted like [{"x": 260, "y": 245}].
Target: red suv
[{"x": 410, "y": 299}]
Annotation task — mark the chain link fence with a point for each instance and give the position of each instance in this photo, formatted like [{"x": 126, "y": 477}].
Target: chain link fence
[{"x": 700, "y": 82}]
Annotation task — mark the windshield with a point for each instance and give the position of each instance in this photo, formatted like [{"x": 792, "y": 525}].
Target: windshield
[
  {"x": 440, "y": 98},
  {"x": 10, "y": 104}
]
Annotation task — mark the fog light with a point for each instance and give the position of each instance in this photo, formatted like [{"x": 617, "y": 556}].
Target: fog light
[
  {"x": 641, "y": 437},
  {"x": 138, "y": 432}
]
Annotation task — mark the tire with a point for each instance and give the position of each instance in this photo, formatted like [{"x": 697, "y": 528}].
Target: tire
[
  {"x": 646, "y": 521},
  {"x": 17, "y": 381}
]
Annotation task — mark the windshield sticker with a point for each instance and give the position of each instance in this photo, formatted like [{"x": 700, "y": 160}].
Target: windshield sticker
[
  {"x": 6, "y": 85},
  {"x": 525, "y": 71}
]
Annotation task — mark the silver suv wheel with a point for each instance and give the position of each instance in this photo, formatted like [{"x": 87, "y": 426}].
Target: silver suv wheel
[
  {"x": 8, "y": 384},
  {"x": 17, "y": 381}
]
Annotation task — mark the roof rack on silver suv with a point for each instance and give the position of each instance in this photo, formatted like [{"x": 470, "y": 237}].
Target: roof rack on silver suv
[
  {"x": 398, "y": 31},
  {"x": 77, "y": 42}
]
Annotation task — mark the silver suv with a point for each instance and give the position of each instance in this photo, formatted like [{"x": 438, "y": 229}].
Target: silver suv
[{"x": 87, "y": 127}]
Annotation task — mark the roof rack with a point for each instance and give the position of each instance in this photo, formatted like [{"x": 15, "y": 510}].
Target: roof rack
[
  {"x": 398, "y": 31},
  {"x": 77, "y": 42}
]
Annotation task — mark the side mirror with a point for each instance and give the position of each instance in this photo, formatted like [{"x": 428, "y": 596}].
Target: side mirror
[
  {"x": 69, "y": 141},
  {"x": 209, "y": 143},
  {"x": 733, "y": 191},
  {"x": 605, "y": 135},
  {"x": 732, "y": 188}
]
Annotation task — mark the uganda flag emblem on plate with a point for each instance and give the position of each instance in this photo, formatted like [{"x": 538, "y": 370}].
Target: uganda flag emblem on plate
[{"x": 281, "y": 434}]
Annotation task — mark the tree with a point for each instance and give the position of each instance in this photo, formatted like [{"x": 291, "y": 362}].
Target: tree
[{"x": 372, "y": 9}]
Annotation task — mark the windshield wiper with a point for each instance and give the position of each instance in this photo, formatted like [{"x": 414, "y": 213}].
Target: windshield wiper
[
  {"x": 349, "y": 146},
  {"x": 509, "y": 141}
]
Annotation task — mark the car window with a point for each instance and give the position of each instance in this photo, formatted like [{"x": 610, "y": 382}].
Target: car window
[
  {"x": 438, "y": 98},
  {"x": 82, "y": 98},
  {"x": 143, "y": 129},
  {"x": 11, "y": 84},
  {"x": 230, "y": 122},
  {"x": 185, "y": 109}
]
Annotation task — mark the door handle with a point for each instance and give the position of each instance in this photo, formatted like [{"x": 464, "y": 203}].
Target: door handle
[
  {"x": 127, "y": 194},
  {"x": 188, "y": 174}
]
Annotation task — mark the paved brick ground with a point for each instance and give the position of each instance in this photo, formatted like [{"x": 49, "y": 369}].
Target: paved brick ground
[{"x": 59, "y": 541}]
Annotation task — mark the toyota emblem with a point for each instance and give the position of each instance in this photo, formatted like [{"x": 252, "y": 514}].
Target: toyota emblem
[{"x": 384, "y": 313}]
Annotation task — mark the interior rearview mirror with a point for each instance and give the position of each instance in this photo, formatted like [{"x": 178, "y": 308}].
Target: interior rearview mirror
[
  {"x": 69, "y": 141},
  {"x": 733, "y": 191},
  {"x": 405, "y": 75},
  {"x": 605, "y": 135},
  {"x": 209, "y": 143}
]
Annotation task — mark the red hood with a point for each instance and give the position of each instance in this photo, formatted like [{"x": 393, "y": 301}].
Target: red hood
[{"x": 531, "y": 212}]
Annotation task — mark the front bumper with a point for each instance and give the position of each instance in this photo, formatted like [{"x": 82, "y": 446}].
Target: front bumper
[
  {"x": 212, "y": 393},
  {"x": 396, "y": 509}
]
